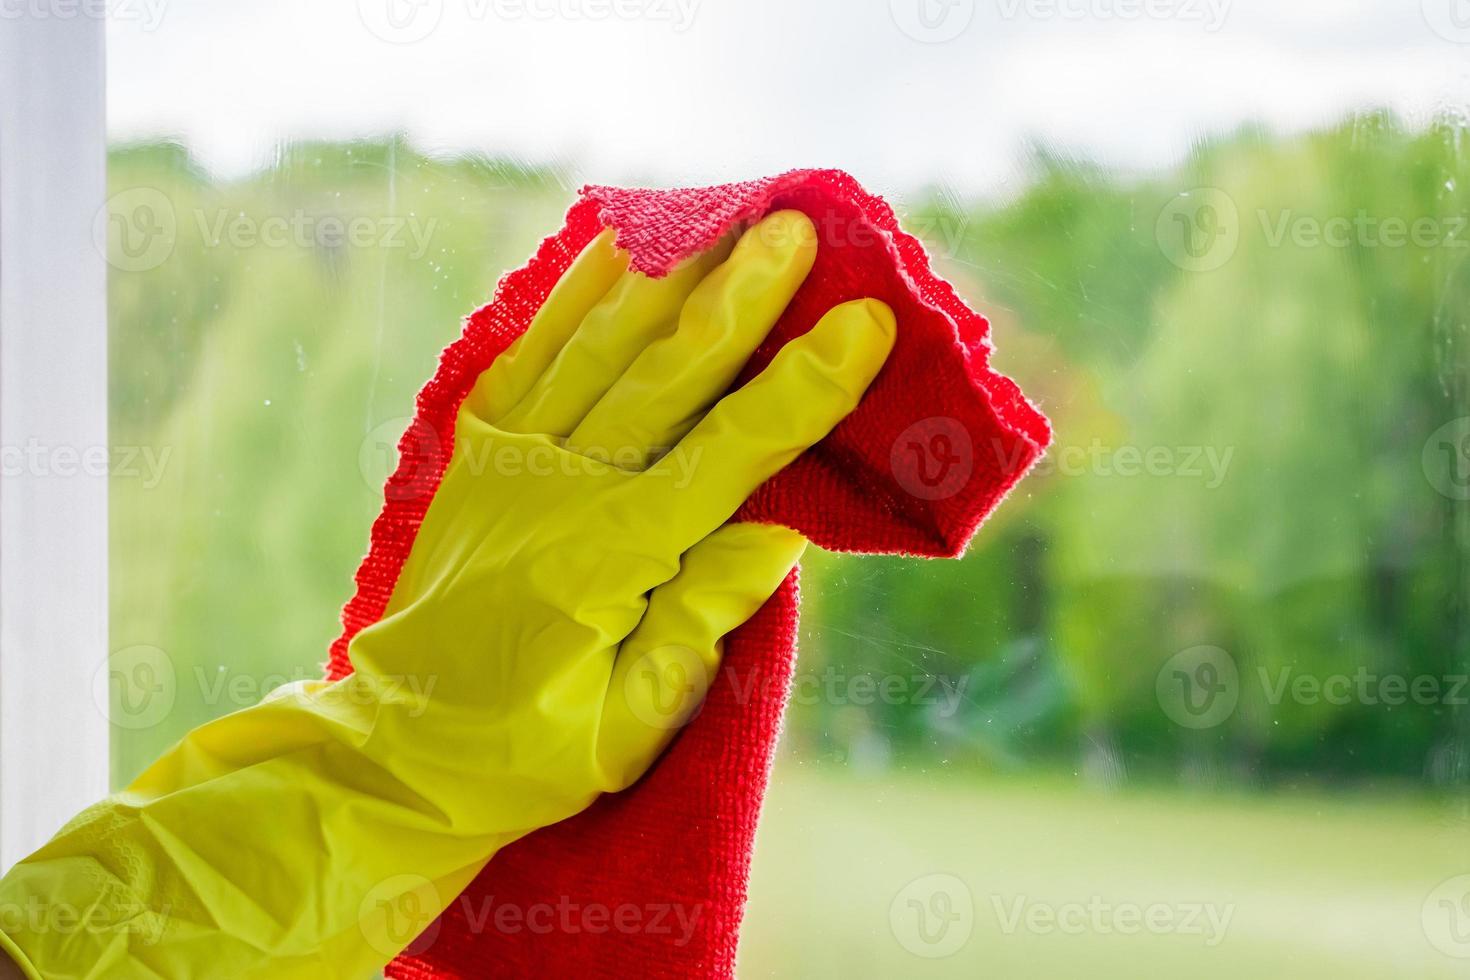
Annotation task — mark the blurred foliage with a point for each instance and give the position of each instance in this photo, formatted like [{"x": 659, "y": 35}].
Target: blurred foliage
[{"x": 1288, "y": 392}]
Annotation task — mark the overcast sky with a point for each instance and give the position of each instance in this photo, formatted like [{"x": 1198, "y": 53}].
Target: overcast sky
[{"x": 900, "y": 92}]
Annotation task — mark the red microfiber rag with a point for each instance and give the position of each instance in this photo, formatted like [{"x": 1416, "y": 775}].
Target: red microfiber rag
[{"x": 651, "y": 882}]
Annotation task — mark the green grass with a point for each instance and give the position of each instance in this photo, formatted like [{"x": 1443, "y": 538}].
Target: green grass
[{"x": 1320, "y": 886}]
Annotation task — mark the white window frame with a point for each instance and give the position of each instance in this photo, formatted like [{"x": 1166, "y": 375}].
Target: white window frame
[{"x": 54, "y": 755}]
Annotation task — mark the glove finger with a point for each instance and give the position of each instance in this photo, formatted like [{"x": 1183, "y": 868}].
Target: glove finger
[
  {"x": 811, "y": 385},
  {"x": 672, "y": 383},
  {"x": 664, "y": 668},
  {"x": 636, "y": 311},
  {"x": 594, "y": 271}
]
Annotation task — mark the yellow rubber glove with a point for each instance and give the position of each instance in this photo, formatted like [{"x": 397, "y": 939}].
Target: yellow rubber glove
[{"x": 535, "y": 653}]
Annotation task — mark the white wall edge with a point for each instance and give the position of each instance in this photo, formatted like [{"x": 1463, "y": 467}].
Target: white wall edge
[{"x": 53, "y": 400}]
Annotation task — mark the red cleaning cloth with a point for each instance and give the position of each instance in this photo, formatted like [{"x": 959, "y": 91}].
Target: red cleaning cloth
[{"x": 651, "y": 882}]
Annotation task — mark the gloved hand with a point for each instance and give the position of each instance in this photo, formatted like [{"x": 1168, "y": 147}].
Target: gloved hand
[{"x": 573, "y": 574}]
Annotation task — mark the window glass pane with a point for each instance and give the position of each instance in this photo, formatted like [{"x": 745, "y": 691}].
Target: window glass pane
[{"x": 1196, "y": 698}]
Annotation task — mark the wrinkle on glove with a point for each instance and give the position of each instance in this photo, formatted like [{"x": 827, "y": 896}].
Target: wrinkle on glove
[{"x": 652, "y": 881}]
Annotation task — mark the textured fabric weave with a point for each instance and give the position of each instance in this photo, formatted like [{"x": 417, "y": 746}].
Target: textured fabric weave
[{"x": 652, "y": 882}]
